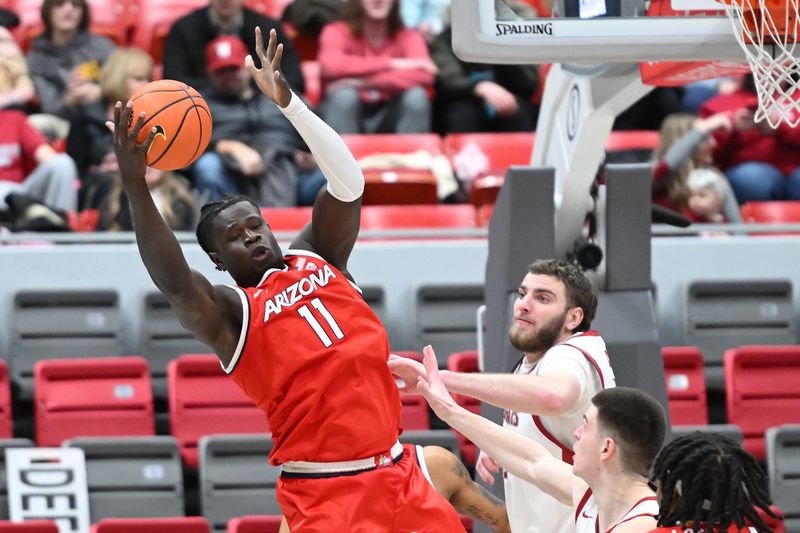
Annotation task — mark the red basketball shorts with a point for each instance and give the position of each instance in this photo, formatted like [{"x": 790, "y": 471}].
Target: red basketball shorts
[{"x": 396, "y": 498}]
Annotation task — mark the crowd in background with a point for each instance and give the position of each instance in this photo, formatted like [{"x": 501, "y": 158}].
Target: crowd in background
[{"x": 386, "y": 66}]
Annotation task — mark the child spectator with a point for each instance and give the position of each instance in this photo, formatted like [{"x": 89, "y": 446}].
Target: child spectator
[
  {"x": 707, "y": 193},
  {"x": 375, "y": 72},
  {"x": 16, "y": 87}
]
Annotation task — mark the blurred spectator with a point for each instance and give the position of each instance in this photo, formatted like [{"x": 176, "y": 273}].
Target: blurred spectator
[
  {"x": 89, "y": 141},
  {"x": 254, "y": 149},
  {"x": 425, "y": 16},
  {"x": 482, "y": 97},
  {"x": 31, "y": 167},
  {"x": 171, "y": 195},
  {"x": 685, "y": 144},
  {"x": 375, "y": 72},
  {"x": 16, "y": 87},
  {"x": 650, "y": 111},
  {"x": 65, "y": 61},
  {"x": 8, "y": 19},
  {"x": 184, "y": 49},
  {"x": 708, "y": 191},
  {"x": 697, "y": 93},
  {"x": 761, "y": 163}
]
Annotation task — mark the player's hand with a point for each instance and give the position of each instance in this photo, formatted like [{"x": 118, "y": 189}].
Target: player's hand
[
  {"x": 409, "y": 371},
  {"x": 486, "y": 468},
  {"x": 269, "y": 77},
  {"x": 131, "y": 155},
  {"x": 433, "y": 389}
]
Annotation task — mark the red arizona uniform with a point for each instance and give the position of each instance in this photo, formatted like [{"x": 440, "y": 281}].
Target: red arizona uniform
[{"x": 312, "y": 355}]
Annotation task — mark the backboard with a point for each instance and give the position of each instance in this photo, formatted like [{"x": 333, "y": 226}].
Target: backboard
[{"x": 594, "y": 31}]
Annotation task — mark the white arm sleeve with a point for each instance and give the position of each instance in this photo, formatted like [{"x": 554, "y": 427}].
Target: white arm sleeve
[{"x": 345, "y": 179}]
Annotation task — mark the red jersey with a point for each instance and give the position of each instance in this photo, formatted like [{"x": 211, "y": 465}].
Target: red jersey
[
  {"x": 19, "y": 141},
  {"x": 312, "y": 355}
]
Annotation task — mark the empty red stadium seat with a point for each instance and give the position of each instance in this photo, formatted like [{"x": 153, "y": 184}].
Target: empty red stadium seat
[
  {"x": 178, "y": 524},
  {"x": 362, "y": 145},
  {"x": 203, "y": 400},
  {"x": 686, "y": 385},
  {"x": 771, "y": 212},
  {"x": 466, "y": 361},
  {"x": 6, "y": 425},
  {"x": 255, "y": 524},
  {"x": 33, "y": 526},
  {"x": 153, "y": 21},
  {"x": 103, "y": 396},
  {"x": 632, "y": 140},
  {"x": 761, "y": 391},
  {"x": 385, "y": 217},
  {"x": 286, "y": 218},
  {"x": 777, "y": 525}
]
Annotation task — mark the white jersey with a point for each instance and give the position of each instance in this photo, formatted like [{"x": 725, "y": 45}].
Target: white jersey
[
  {"x": 587, "y": 521},
  {"x": 584, "y": 355}
]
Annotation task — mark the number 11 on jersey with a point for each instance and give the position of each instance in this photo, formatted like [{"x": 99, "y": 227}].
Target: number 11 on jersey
[{"x": 306, "y": 313}]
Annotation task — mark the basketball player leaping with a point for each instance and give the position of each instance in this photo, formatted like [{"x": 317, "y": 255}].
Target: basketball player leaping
[{"x": 295, "y": 333}]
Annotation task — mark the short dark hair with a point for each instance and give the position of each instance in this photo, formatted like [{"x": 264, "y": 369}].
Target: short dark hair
[
  {"x": 210, "y": 211},
  {"x": 636, "y": 422},
  {"x": 581, "y": 292},
  {"x": 353, "y": 16},
  {"x": 48, "y": 5},
  {"x": 708, "y": 479}
]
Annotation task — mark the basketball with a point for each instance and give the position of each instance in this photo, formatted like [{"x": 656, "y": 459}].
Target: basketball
[{"x": 183, "y": 122}]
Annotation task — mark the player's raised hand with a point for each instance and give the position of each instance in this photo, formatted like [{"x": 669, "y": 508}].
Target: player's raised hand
[
  {"x": 408, "y": 370},
  {"x": 131, "y": 154},
  {"x": 269, "y": 77},
  {"x": 433, "y": 389}
]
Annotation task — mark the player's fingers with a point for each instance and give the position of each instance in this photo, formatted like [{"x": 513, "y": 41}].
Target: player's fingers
[
  {"x": 137, "y": 126},
  {"x": 484, "y": 474},
  {"x": 149, "y": 140},
  {"x": 276, "y": 59},
  {"x": 110, "y": 126},
  {"x": 262, "y": 54},
  {"x": 272, "y": 44},
  {"x": 429, "y": 359}
]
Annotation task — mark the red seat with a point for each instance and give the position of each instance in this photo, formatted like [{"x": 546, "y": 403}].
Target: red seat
[
  {"x": 178, "y": 524},
  {"x": 502, "y": 149},
  {"x": 777, "y": 525},
  {"x": 154, "y": 20},
  {"x": 466, "y": 361},
  {"x": 286, "y": 218},
  {"x": 686, "y": 385},
  {"x": 385, "y": 217},
  {"x": 6, "y": 424},
  {"x": 313, "y": 79},
  {"x": 255, "y": 524},
  {"x": 33, "y": 526},
  {"x": 761, "y": 391},
  {"x": 203, "y": 400},
  {"x": 103, "y": 396},
  {"x": 362, "y": 145},
  {"x": 632, "y": 140},
  {"x": 771, "y": 212}
]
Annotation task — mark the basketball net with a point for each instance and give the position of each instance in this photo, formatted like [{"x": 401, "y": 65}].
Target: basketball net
[{"x": 767, "y": 32}]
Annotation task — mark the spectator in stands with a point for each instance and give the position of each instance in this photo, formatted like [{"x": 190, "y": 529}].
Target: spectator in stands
[
  {"x": 706, "y": 480},
  {"x": 170, "y": 193},
  {"x": 253, "y": 148},
  {"x": 450, "y": 478},
  {"x": 65, "y": 61},
  {"x": 615, "y": 445},
  {"x": 564, "y": 365},
  {"x": 184, "y": 49},
  {"x": 426, "y": 16},
  {"x": 708, "y": 190},
  {"x": 483, "y": 97},
  {"x": 53, "y": 177},
  {"x": 695, "y": 94},
  {"x": 686, "y": 144},
  {"x": 375, "y": 72},
  {"x": 8, "y": 19},
  {"x": 16, "y": 86},
  {"x": 89, "y": 142},
  {"x": 761, "y": 163}
]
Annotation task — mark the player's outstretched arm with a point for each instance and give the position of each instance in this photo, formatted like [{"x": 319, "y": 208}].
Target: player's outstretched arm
[
  {"x": 523, "y": 457},
  {"x": 211, "y": 313},
  {"x": 451, "y": 480},
  {"x": 337, "y": 209}
]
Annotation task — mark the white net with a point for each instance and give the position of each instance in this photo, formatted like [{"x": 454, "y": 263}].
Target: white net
[{"x": 767, "y": 31}]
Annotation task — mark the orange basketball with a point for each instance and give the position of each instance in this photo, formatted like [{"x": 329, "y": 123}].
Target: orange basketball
[{"x": 183, "y": 122}]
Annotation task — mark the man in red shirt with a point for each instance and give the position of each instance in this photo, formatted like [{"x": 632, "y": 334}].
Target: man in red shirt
[
  {"x": 295, "y": 333},
  {"x": 53, "y": 177}
]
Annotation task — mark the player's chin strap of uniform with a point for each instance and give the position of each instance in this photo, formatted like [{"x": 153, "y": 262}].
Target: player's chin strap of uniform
[{"x": 345, "y": 179}]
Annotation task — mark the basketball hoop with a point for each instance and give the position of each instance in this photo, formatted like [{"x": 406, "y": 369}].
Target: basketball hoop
[{"x": 767, "y": 32}]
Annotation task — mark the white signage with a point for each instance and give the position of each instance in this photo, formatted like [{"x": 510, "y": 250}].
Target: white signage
[{"x": 48, "y": 484}]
